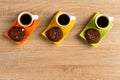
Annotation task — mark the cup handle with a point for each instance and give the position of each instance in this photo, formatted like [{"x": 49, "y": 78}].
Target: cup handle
[
  {"x": 73, "y": 18},
  {"x": 111, "y": 18},
  {"x": 35, "y": 17}
]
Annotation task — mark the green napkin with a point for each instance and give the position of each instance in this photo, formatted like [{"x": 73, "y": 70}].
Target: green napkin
[{"x": 91, "y": 25}]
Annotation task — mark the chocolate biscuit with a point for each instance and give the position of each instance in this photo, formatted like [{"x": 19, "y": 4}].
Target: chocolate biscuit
[
  {"x": 54, "y": 34},
  {"x": 17, "y": 33},
  {"x": 92, "y": 36}
]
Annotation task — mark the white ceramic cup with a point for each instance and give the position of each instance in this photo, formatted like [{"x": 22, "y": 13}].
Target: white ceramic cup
[
  {"x": 71, "y": 18},
  {"x": 33, "y": 17},
  {"x": 109, "y": 19}
]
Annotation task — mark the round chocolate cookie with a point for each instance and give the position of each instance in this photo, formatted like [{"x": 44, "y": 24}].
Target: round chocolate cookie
[
  {"x": 92, "y": 36},
  {"x": 54, "y": 34},
  {"x": 17, "y": 33}
]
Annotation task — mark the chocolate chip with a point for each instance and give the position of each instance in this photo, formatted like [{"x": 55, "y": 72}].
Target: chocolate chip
[
  {"x": 17, "y": 33},
  {"x": 92, "y": 36},
  {"x": 54, "y": 34}
]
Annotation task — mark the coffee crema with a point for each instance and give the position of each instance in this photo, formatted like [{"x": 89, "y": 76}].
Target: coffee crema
[
  {"x": 25, "y": 19},
  {"x": 102, "y": 21},
  {"x": 63, "y": 19}
]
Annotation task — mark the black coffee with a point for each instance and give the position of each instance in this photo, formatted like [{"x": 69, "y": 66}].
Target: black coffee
[
  {"x": 63, "y": 19},
  {"x": 25, "y": 19},
  {"x": 102, "y": 22}
]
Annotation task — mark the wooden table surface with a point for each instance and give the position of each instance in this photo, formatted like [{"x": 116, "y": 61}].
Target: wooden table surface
[{"x": 74, "y": 59}]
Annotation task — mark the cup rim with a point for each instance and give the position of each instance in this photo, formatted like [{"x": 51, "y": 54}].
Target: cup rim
[
  {"x": 61, "y": 14},
  {"x": 97, "y": 19},
  {"x": 22, "y": 13}
]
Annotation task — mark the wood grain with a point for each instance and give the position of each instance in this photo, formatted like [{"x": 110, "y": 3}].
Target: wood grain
[{"x": 39, "y": 59}]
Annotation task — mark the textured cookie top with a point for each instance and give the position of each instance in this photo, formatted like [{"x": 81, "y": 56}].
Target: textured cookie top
[
  {"x": 92, "y": 36},
  {"x": 54, "y": 34},
  {"x": 17, "y": 33}
]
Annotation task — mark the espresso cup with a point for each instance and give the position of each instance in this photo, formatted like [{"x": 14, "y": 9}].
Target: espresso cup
[
  {"x": 64, "y": 19},
  {"x": 26, "y": 19},
  {"x": 103, "y": 21}
]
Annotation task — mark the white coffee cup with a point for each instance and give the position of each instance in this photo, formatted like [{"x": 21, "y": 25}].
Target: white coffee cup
[
  {"x": 103, "y": 21},
  {"x": 64, "y": 19},
  {"x": 26, "y": 19}
]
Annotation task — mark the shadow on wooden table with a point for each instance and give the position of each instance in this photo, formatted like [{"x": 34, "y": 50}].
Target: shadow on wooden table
[{"x": 79, "y": 38}]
